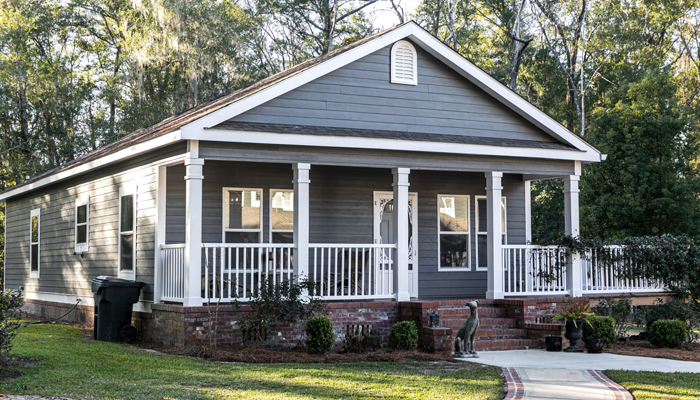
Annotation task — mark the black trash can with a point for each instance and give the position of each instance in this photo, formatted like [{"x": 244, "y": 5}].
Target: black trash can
[{"x": 114, "y": 300}]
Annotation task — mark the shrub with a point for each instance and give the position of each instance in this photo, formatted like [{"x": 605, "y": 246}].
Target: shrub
[
  {"x": 600, "y": 327},
  {"x": 319, "y": 334},
  {"x": 667, "y": 333},
  {"x": 620, "y": 311},
  {"x": 673, "y": 309},
  {"x": 403, "y": 336},
  {"x": 10, "y": 303},
  {"x": 278, "y": 303}
]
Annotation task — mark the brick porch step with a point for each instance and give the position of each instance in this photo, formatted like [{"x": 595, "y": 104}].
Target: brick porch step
[
  {"x": 491, "y": 334},
  {"x": 507, "y": 344}
]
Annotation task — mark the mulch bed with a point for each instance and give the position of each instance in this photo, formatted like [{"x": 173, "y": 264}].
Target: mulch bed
[
  {"x": 294, "y": 355},
  {"x": 641, "y": 348}
]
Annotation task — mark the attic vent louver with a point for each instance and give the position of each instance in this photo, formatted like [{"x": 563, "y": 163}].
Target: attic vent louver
[{"x": 404, "y": 63}]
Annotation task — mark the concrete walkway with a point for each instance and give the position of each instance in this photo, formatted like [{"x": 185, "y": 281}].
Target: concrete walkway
[
  {"x": 557, "y": 384},
  {"x": 580, "y": 361}
]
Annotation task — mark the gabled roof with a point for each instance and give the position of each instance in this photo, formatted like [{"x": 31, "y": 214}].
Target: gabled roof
[{"x": 192, "y": 123}]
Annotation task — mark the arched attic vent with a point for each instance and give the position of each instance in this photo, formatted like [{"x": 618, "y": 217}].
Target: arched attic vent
[{"x": 404, "y": 63}]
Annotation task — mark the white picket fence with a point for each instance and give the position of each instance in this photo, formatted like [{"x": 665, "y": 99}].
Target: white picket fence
[{"x": 353, "y": 271}]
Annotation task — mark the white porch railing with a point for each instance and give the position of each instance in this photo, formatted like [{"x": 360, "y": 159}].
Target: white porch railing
[
  {"x": 237, "y": 270},
  {"x": 172, "y": 275},
  {"x": 604, "y": 273},
  {"x": 353, "y": 271},
  {"x": 533, "y": 270}
]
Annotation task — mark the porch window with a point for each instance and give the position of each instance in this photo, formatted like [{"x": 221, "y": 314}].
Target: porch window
[
  {"x": 82, "y": 217},
  {"x": 34, "y": 242},
  {"x": 453, "y": 233},
  {"x": 127, "y": 232},
  {"x": 481, "y": 236},
  {"x": 242, "y": 215},
  {"x": 281, "y": 216}
]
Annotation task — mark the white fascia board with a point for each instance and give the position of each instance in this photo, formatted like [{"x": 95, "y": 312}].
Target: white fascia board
[
  {"x": 496, "y": 89},
  {"x": 120, "y": 155},
  {"x": 293, "y": 139},
  {"x": 191, "y": 130}
]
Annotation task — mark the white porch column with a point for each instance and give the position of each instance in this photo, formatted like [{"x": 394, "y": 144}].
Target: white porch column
[
  {"x": 528, "y": 213},
  {"x": 401, "y": 233},
  {"x": 571, "y": 215},
  {"x": 193, "y": 232},
  {"x": 301, "y": 219},
  {"x": 494, "y": 189}
]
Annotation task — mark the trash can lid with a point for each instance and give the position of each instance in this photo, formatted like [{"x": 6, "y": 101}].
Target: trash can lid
[{"x": 111, "y": 281}]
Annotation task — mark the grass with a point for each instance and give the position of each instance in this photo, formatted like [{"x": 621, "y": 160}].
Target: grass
[
  {"x": 70, "y": 366},
  {"x": 657, "y": 385}
]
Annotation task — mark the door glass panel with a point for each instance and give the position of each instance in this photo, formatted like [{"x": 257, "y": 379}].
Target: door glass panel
[
  {"x": 453, "y": 250},
  {"x": 242, "y": 210},
  {"x": 503, "y": 215},
  {"x": 386, "y": 225}
]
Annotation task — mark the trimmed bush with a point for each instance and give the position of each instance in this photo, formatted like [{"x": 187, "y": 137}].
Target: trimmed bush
[
  {"x": 600, "y": 327},
  {"x": 403, "y": 336},
  {"x": 667, "y": 333},
  {"x": 319, "y": 335}
]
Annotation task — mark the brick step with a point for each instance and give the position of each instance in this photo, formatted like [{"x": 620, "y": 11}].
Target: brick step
[
  {"x": 485, "y": 323},
  {"x": 490, "y": 334},
  {"x": 507, "y": 344},
  {"x": 464, "y": 312}
]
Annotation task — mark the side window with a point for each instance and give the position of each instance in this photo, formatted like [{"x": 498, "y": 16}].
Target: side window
[
  {"x": 34, "y": 243},
  {"x": 281, "y": 216},
  {"x": 453, "y": 233},
  {"x": 82, "y": 225},
  {"x": 127, "y": 233},
  {"x": 481, "y": 241},
  {"x": 242, "y": 215}
]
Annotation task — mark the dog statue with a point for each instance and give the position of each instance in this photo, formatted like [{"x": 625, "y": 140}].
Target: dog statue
[{"x": 464, "y": 342}]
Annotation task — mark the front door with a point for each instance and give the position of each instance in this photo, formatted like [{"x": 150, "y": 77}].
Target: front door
[{"x": 384, "y": 231}]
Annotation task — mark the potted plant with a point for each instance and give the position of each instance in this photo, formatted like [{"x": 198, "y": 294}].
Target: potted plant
[
  {"x": 573, "y": 314},
  {"x": 598, "y": 332}
]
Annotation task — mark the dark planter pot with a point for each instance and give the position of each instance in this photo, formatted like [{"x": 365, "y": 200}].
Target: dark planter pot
[
  {"x": 553, "y": 343},
  {"x": 573, "y": 334},
  {"x": 595, "y": 346}
]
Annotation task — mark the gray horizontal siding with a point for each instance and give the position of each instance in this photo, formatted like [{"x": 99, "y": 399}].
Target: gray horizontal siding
[
  {"x": 62, "y": 271},
  {"x": 360, "y": 95},
  {"x": 383, "y": 159},
  {"x": 341, "y": 210}
]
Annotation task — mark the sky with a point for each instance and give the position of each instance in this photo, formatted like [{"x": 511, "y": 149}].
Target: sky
[{"x": 384, "y": 15}]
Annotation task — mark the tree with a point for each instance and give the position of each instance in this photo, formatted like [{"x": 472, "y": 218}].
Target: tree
[{"x": 649, "y": 183}]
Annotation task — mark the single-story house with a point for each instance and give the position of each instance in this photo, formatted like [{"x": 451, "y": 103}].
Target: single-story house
[{"x": 390, "y": 171}]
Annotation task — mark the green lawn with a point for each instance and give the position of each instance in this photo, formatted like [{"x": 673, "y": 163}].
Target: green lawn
[
  {"x": 656, "y": 385},
  {"x": 72, "y": 367}
]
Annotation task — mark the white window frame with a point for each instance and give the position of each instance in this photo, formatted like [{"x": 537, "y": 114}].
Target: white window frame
[
  {"x": 467, "y": 233},
  {"x": 504, "y": 231},
  {"x": 394, "y": 78},
  {"x": 127, "y": 191},
  {"x": 35, "y": 274},
  {"x": 81, "y": 248},
  {"x": 271, "y": 231},
  {"x": 223, "y": 214}
]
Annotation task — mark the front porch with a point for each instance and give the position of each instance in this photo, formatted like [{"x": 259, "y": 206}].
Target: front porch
[{"x": 450, "y": 234}]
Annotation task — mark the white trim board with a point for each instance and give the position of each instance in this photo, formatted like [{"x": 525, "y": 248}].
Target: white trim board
[
  {"x": 141, "y": 306},
  {"x": 120, "y": 155},
  {"x": 195, "y": 129},
  {"x": 293, "y": 139}
]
